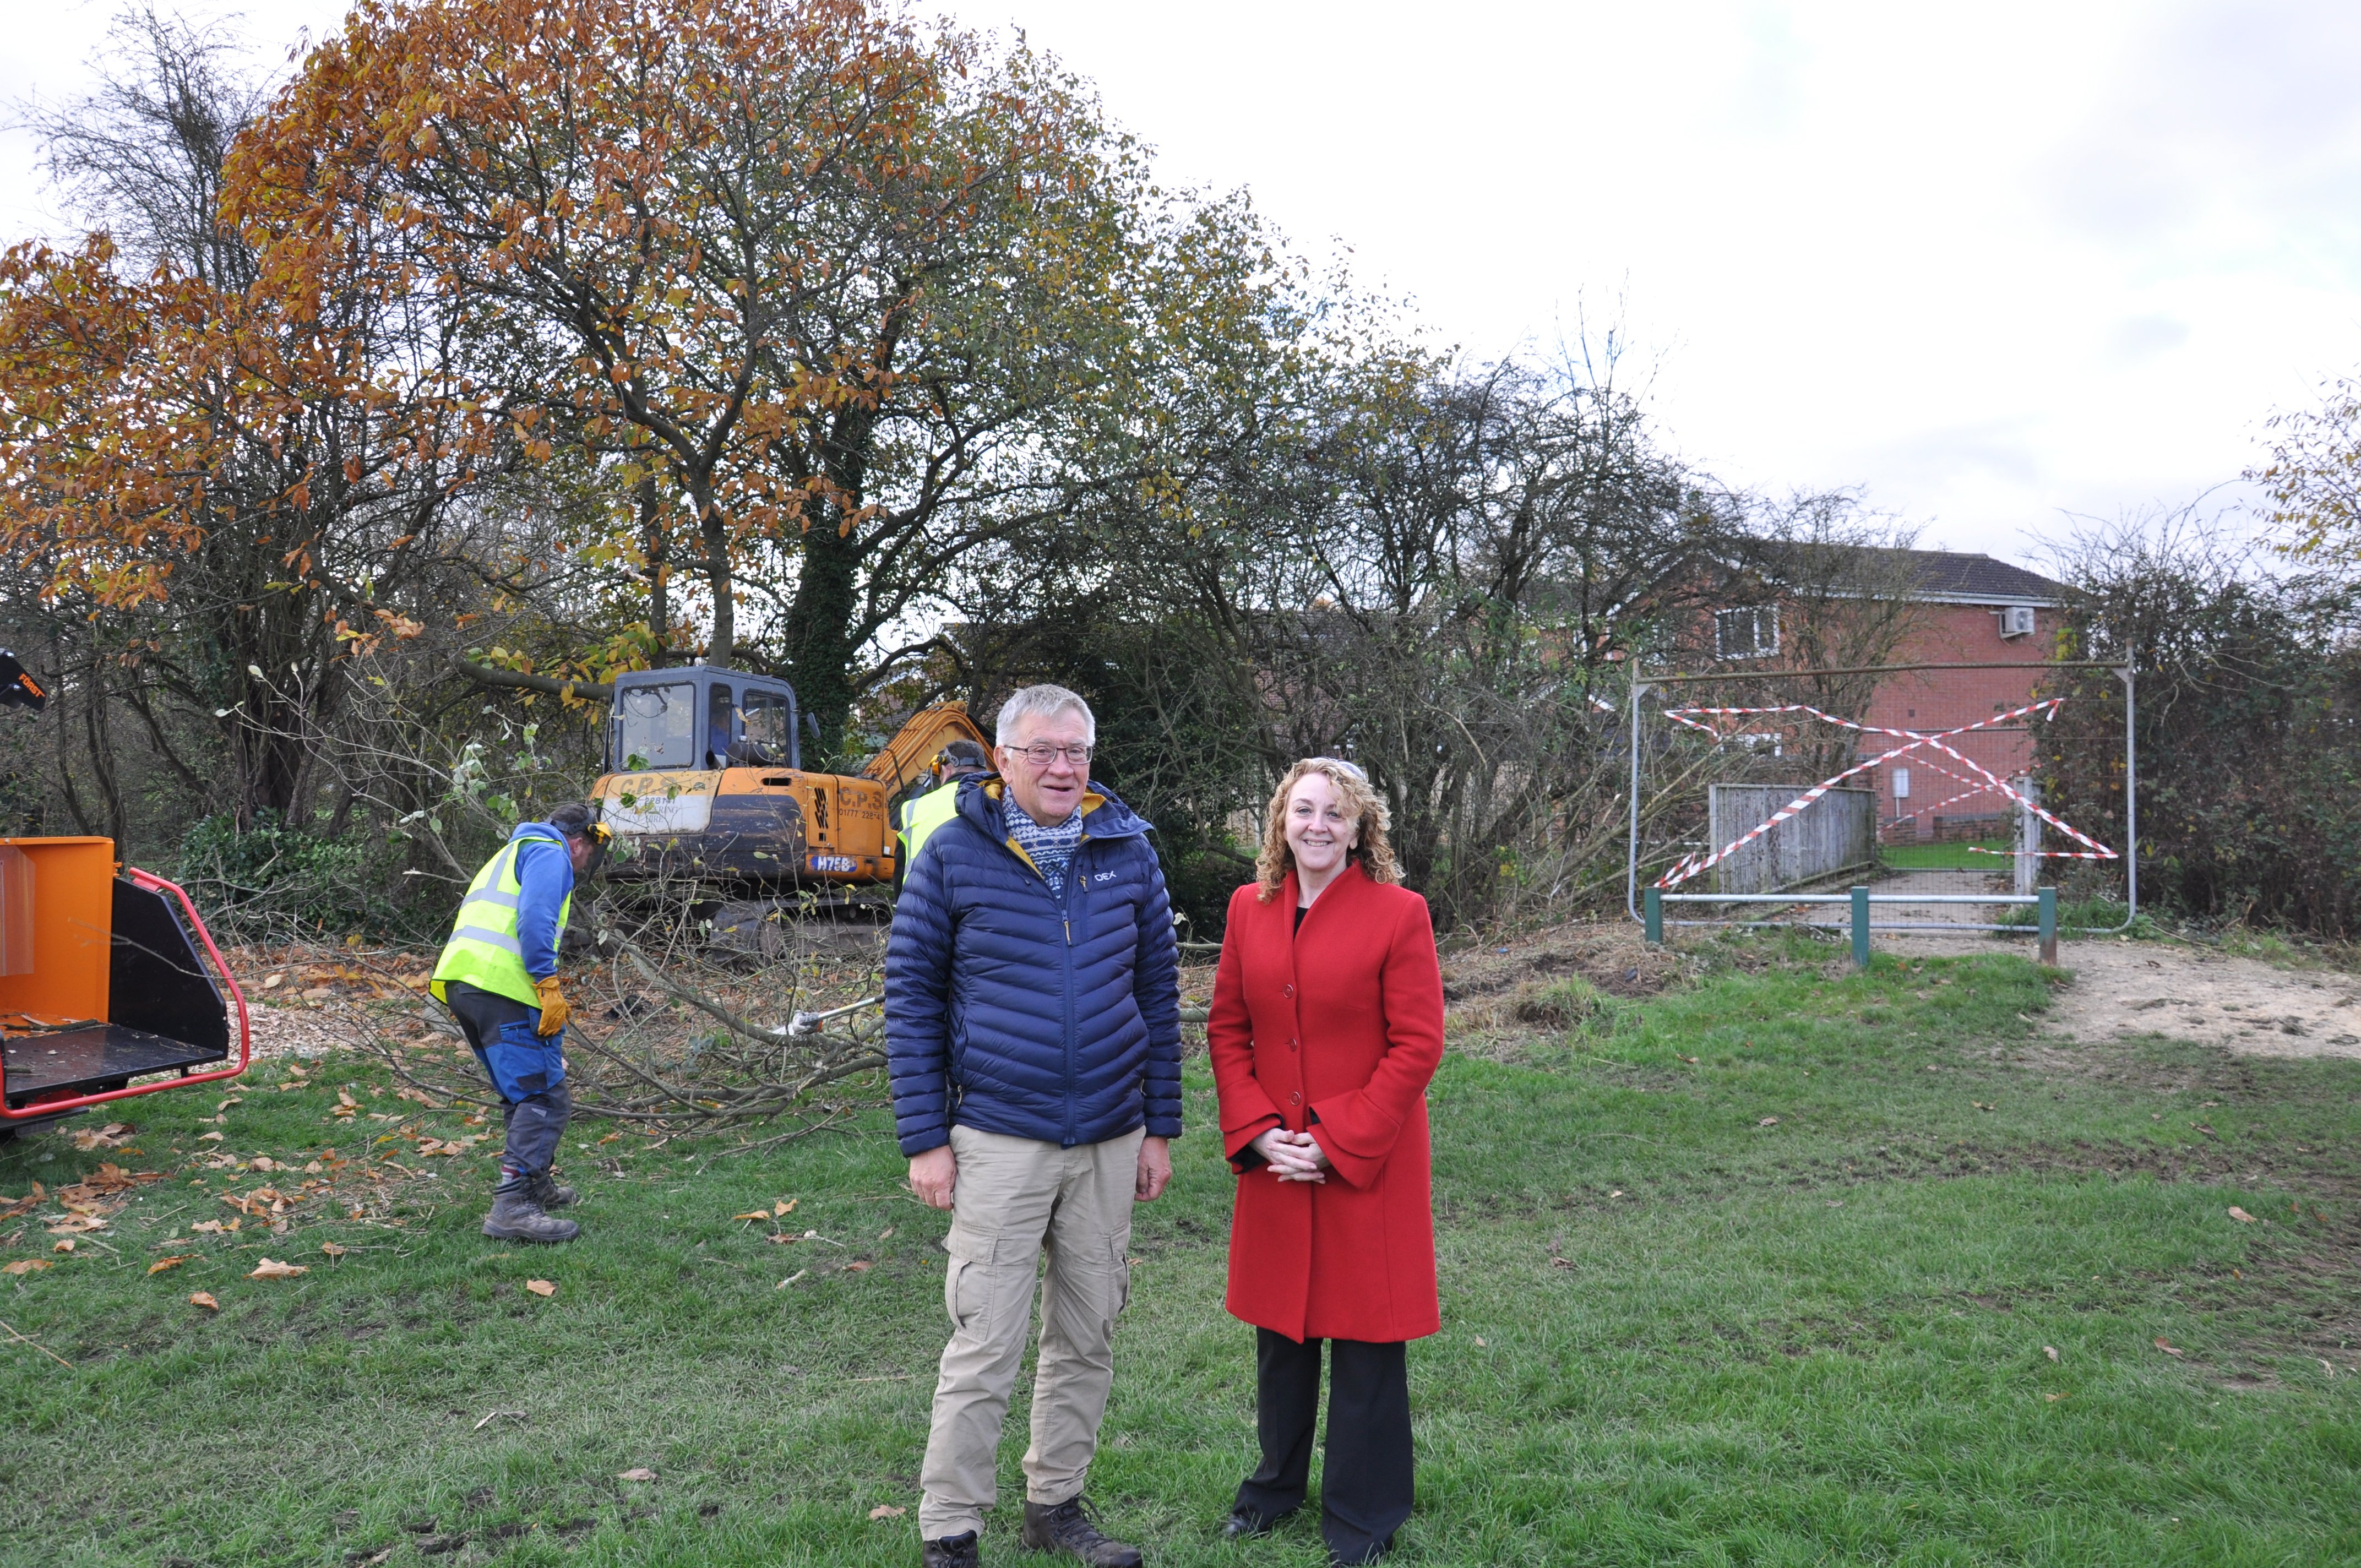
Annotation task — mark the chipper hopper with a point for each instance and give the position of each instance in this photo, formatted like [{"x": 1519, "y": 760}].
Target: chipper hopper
[{"x": 109, "y": 984}]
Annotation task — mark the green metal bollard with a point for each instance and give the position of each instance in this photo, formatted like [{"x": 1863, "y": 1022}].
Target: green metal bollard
[
  {"x": 2048, "y": 925},
  {"x": 1861, "y": 927},
  {"x": 1652, "y": 907}
]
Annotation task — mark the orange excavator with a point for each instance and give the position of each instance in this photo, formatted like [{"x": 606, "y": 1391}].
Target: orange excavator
[
  {"x": 706, "y": 785},
  {"x": 110, "y": 985}
]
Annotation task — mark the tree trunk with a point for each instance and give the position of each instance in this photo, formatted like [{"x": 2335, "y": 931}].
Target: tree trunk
[
  {"x": 818, "y": 635},
  {"x": 659, "y": 553}
]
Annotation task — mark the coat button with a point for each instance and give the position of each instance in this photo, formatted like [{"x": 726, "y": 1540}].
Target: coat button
[
  {"x": 1290, "y": 1044},
  {"x": 1288, "y": 990},
  {"x": 1295, "y": 1097}
]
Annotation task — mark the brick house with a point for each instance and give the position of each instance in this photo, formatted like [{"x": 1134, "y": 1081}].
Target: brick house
[{"x": 1964, "y": 609}]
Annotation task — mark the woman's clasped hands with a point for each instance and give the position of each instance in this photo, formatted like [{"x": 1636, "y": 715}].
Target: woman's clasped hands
[{"x": 1293, "y": 1157}]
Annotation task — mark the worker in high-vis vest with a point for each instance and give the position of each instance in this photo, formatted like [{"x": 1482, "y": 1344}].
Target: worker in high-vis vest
[
  {"x": 498, "y": 975},
  {"x": 921, "y": 814}
]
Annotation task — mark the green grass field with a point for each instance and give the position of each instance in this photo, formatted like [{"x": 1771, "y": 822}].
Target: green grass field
[
  {"x": 1946, "y": 856},
  {"x": 1760, "y": 1271}
]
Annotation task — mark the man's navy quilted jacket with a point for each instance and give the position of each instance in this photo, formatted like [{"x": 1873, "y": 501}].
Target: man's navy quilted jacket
[{"x": 1010, "y": 1009}]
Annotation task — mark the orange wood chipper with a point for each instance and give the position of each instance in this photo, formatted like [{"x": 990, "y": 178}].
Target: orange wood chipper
[{"x": 110, "y": 986}]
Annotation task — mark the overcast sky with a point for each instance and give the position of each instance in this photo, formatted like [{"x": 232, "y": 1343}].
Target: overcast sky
[{"x": 1993, "y": 265}]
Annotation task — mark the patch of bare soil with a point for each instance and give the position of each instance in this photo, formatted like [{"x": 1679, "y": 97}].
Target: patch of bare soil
[
  {"x": 2237, "y": 1004},
  {"x": 1549, "y": 980}
]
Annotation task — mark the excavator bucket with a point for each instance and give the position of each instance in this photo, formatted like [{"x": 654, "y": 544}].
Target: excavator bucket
[{"x": 110, "y": 985}]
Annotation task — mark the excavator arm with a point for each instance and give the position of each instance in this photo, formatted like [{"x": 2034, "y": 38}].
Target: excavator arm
[{"x": 911, "y": 754}]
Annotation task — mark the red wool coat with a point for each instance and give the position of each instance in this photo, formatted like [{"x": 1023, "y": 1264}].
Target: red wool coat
[{"x": 1336, "y": 1028}]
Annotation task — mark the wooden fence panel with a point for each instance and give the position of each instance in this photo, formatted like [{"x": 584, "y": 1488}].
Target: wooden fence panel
[{"x": 1834, "y": 833}]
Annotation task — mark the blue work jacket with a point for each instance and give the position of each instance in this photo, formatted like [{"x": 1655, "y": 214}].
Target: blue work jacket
[{"x": 1011, "y": 1008}]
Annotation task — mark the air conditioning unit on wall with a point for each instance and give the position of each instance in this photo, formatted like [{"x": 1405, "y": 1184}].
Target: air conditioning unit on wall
[{"x": 2016, "y": 621}]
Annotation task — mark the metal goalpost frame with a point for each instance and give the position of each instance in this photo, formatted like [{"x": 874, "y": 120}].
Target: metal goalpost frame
[{"x": 1644, "y": 684}]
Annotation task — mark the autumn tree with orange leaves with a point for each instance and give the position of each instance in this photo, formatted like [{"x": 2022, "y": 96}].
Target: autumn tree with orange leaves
[
  {"x": 864, "y": 302},
  {"x": 217, "y": 491}
]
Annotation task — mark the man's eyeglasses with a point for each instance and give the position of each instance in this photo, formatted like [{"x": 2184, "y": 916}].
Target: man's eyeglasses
[{"x": 1041, "y": 755}]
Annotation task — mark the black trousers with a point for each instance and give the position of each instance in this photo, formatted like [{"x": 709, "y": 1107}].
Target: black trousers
[
  {"x": 1364, "y": 1484},
  {"x": 534, "y": 1117}
]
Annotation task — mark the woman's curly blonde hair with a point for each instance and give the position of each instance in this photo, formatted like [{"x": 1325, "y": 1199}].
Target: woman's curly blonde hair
[{"x": 1373, "y": 854}]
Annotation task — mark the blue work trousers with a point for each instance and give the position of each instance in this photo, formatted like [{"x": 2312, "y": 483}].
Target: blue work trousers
[{"x": 528, "y": 1070}]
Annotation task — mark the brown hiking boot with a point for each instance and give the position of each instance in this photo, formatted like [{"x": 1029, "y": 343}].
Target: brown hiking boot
[
  {"x": 515, "y": 1217},
  {"x": 1067, "y": 1527}
]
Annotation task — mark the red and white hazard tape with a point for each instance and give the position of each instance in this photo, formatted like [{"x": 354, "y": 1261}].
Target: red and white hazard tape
[{"x": 1690, "y": 865}]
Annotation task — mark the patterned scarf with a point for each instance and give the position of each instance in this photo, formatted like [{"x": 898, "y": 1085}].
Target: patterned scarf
[{"x": 1051, "y": 848}]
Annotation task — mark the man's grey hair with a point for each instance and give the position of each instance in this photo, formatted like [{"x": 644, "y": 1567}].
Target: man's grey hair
[{"x": 1043, "y": 702}]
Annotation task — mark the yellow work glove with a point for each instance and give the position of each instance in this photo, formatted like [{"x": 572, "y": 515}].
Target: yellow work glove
[{"x": 554, "y": 1009}]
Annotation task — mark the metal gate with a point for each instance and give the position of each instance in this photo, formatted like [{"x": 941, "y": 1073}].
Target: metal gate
[{"x": 1752, "y": 793}]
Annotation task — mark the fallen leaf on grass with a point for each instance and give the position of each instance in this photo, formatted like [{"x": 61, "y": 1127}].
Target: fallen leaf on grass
[
  {"x": 754, "y": 1214},
  {"x": 1691, "y": 1061},
  {"x": 273, "y": 982},
  {"x": 28, "y": 1266},
  {"x": 1480, "y": 1344},
  {"x": 2050, "y": 1351},
  {"x": 65, "y": 1245},
  {"x": 886, "y": 1511},
  {"x": 782, "y": 1238},
  {"x": 2053, "y": 1399},
  {"x": 161, "y": 1263},
  {"x": 856, "y": 1266},
  {"x": 785, "y": 1206},
  {"x": 270, "y": 1268},
  {"x": 1768, "y": 1122},
  {"x": 216, "y": 1228},
  {"x": 333, "y": 1249},
  {"x": 1561, "y": 1263},
  {"x": 2164, "y": 1347},
  {"x": 205, "y": 1300},
  {"x": 540, "y": 1286},
  {"x": 638, "y": 1472},
  {"x": 886, "y": 1234},
  {"x": 113, "y": 1135},
  {"x": 209, "y": 1137},
  {"x": 2241, "y": 1215}
]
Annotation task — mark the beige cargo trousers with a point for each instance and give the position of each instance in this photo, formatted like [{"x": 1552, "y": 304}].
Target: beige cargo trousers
[{"x": 1016, "y": 1199}]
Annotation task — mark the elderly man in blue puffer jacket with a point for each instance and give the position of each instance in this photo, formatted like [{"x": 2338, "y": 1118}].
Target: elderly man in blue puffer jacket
[{"x": 1033, "y": 1036}]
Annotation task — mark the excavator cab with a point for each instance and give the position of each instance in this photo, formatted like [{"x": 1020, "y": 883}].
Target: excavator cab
[
  {"x": 701, "y": 718},
  {"x": 110, "y": 986}
]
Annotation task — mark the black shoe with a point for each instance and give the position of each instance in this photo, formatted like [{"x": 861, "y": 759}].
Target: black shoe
[
  {"x": 1355, "y": 1559},
  {"x": 550, "y": 1192},
  {"x": 1067, "y": 1527},
  {"x": 953, "y": 1551},
  {"x": 1244, "y": 1523}
]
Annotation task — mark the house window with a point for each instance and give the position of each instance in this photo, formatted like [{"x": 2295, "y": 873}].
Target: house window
[{"x": 1749, "y": 633}]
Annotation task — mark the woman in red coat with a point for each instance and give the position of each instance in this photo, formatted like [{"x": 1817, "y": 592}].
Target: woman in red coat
[{"x": 1326, "y": 1025}]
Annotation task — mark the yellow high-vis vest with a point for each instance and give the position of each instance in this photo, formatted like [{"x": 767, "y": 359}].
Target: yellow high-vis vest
[
  {"x": 484, "y": 950},
  {"x": 923, "y": 815}
]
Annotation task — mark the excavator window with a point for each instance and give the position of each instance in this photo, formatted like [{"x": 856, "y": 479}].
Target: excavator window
[
  {"x": 767, "y": 730},
  {"x": 719, "y": 733},
  {"x": 656, "y": 725}
]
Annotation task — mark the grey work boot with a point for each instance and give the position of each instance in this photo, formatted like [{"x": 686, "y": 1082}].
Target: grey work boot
[
  {"x": 1067, "y": 1527},
  {"x": 548, "y": 1191},
  {"x": 515, "y": 1217}
]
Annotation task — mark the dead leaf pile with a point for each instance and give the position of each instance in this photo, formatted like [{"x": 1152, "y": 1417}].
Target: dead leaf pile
[{"x": 113, "y": 1135}]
